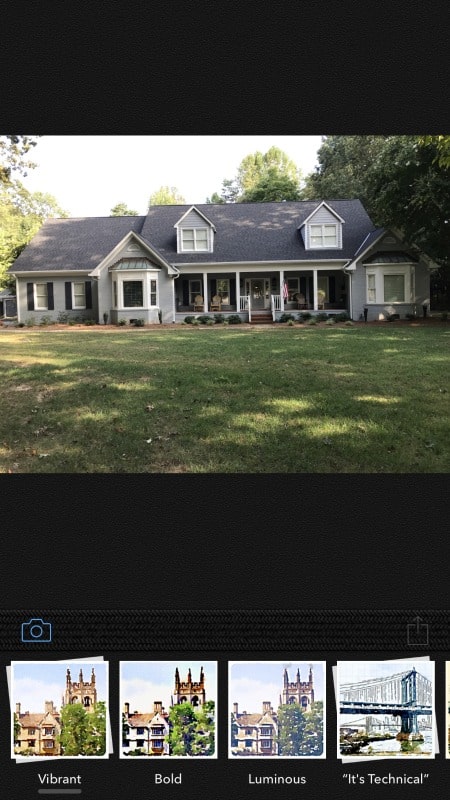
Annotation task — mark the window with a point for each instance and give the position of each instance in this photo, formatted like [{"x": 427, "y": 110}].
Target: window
[
  {"x": 371, "y": 288},
  {"x": 153, "y": 292},
  {"x": 115, "y": 294},
  {"x": 293, "y": 287},
  {"x": 394, "y": 288},
  {"x": 223, "y": 290},
  {"x": 140, "y": 732},
  {"x": 323, "y": 236},
  {"x": 158, "y": 731},
  {"x": 158, "y": 743},
  {"x": 31, "y": 731},
  {"x": 248, "y": 743},
  {"x": 266, "y": 730},
  {"x": 49, "y": 744},
  {"x": 248, "y": 731},
  {"x": 195, "y": 288},
  {"x": 266, "y": 744},
  {"x": 133, "y": 294},
  {"x": 31, "y": 742},
  {"x": 40, "y": 297},
  {"x": 49, "y": 731},
  {"x": 140, "y": 743},
  {"x": 193, "y": 239},
  {"x": 79, "y": 295}
]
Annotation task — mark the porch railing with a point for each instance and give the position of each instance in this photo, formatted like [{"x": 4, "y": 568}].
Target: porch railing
[
  {"x": 275, "y": 304},
  {"x": 245, "y": 305}
]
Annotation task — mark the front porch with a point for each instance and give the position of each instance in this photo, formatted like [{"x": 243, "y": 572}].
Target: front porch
[{"x": 316, "y": 290}]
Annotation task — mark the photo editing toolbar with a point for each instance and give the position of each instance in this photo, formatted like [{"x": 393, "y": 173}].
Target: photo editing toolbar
[{"x": 218, "y": 703}]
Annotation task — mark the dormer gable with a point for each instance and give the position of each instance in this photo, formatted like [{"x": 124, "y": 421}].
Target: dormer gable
[
  {"x": 195, "y": 232},
  {"x": 322, "y": 229}
]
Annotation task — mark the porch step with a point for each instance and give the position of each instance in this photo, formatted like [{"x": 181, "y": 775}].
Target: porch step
[{"x": 261, "y": 318}]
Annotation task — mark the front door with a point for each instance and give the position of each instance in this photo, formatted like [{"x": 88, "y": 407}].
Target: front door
[{"x": 259, "y": 292}]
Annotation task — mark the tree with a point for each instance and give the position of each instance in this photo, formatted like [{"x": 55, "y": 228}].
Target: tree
[
  {"x": 17, "y": 728},
  {"x": 300, "y": 733},
  {"x": 191, "y": 731},
  {"x": 442, "y": 144},
  {"x": 166, "y": 196},
  {"x": 83, "y": 733},
  {"x": 122, "y": 210},
  {"x": 261, "y": 177},
  {"x": 13, "y": 150},
  {"x": 291, "y": 726},
  {"x": 21, "y": 215}
]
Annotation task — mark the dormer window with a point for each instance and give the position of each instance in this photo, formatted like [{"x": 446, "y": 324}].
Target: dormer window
[
  {"x": 323, "y": 236},
  {"x": 194, "y": 240},
  {"x": 195, "y": 232}
]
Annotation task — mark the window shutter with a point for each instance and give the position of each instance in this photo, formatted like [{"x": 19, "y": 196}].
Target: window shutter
[
  {"x": 213, "y": 285},
  {"x": 50, "y": 300},
  {"x": 68, "y": 289},
  {"x": 30, "y": 297},
  {"x": 233, "y": 291},
  {"x": 185, "y": 293},
  {"x": 88, "y": 290}
]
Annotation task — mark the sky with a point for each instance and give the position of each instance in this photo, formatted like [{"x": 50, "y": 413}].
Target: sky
[
  {"x": 252, "y": 683},
  {"x": 89, "y": 175},
  {"x": 34, "y": 682},
  {"x": 143, "y": 682}
]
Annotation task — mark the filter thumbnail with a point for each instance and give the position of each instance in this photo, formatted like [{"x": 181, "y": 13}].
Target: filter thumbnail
[
  {"x": 386, "y": 709},
  {"x": 168, "y": 708},
  {"x": 277, "y": 709},
  {"x": 59, "y": 709}
]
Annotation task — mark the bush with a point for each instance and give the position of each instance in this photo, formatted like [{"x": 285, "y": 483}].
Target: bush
[
  {"x": 342, "y": 317},
  {"x": 349, "y": 323},
  {"x": 285, "y": 317},
  {"x": 290, "y": 322},
  {"x": 20, "y": 325},
  {"x": 321, "y": 316},
  {"x": 63, "y": 317},
  {"x": 234, "y": 319},
  {"x": 89, "y": 321},
  {"x": 330, "y": 321},
  {"x": 122, "y": 322},
  {"x": 218, "y": 318},
  {"x": 410, "y": 316},
  {"x": 203, "y": 319},
  {"x": 30, "y": 321},
  {"x": 312, "y": 321},
  {"x": 305, "y": 315},
  {"x": 210, "y": 322},
  {"x": 45, "y": 320},
  {"x": 139, "y": 323},
  {"x": 444, "y": 316},
  {"x": 189, "y": 320}
]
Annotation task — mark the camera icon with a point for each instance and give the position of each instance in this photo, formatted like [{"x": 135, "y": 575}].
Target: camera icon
[{"x": 36, "y": 630}]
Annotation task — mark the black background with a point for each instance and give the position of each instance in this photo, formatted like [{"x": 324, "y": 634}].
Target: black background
[{"x": 238, "y": 542}]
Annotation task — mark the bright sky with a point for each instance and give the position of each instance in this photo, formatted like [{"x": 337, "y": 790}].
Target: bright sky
[
  {"x": 35, "y": 682},
  {"x": 252, "y": 683},
  {"x": 89, "y": 175},
  {"x": 143, "y": 682}
]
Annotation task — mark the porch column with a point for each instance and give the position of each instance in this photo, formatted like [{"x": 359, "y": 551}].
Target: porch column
[
  {"x": 205, "y": 292},
  {"x": 281, "y": 290},
  {"x": 238, "y": 291},
  {"x": 315, "y": 290}
]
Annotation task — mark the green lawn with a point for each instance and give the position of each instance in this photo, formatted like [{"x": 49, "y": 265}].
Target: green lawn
[{"x": 243, "y": 400}]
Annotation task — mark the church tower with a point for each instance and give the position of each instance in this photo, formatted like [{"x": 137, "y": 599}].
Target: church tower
[
  {"x": 189, "y": 691},
  {"x": 81, "y": 691},
  {"x": 298, "y": 691}
]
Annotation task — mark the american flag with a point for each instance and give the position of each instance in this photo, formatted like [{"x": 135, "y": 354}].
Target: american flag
[{"x": 285, "y": 291}]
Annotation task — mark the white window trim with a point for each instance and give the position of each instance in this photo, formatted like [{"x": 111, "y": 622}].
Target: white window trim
[
  {"x": 193, "y": 292},
  {"x": 324, "y": 246},
  {"x": 144, "y": 276},
  {"x": 36, "y": 306},
  {"x": 407, "y": 270},
  {"x": 194, "y": 249},
  {"x": 73, "y": 294}
]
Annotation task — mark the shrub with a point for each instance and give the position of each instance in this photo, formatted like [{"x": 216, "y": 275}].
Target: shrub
[
  {"x": 349, "y": 323},
  {"x": 89, "y": 321},
  {"x": 122, "y": 322},
  {"x": 30, "y": 321},
  {"x": 321, "y": 316},
  {"x": 139, "y": 323},
  {"x": 189, "y": 320},
  {"x": 20, "y": 325},
  {"x": 210, "y": 322},
  {"x": 330, "y": 321},
  {"x": 234, "y": 319},
  {"x": 410, "y": 316},
  {"x": 203, "y": 319},
  {"x": 305, "y": 315},
  {"x": 444, "y": 316},
  {"x": 219, "y": 318},
  {"x": 286, "y": 318},
  {"x": 312, "y": 321},
  {"x": 290, "y": 322},
  {"x": 342, "y": 317},
  {"x": 63, "y": 317},
  {"x": 45, "y": 320}
]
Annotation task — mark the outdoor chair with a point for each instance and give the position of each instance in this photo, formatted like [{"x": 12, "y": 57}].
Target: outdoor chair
[
  {"x": 216, "y": 303},
  {"x": 321, "y": 298},
  {"x": 301, "y": 300},
  {"x": 199, "y": 303}
]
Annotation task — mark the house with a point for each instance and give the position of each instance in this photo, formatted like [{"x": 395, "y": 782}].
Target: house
[
  {"x": 37, "y": 734},
  {"x": 256, "y": 260},
  {"x": 146, "y": 733},
  {"x": 255, "y": 734}
]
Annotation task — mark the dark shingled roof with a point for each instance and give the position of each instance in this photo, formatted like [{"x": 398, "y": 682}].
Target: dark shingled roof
[
  {"x": 245, "y": 232},
  {"x": 74, "y": 243},
  {"x": 389, "y": 257}
]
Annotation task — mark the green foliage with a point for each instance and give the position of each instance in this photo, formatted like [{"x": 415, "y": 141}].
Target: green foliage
[
  {"x": 17, "y": 727},
  {"x": 234, "y": 319},
  {"x": 166, "y": 196},
  {"x": 306, "y": 315},
  {"x": 139, "y": 323},
  {"x": 189, "y": 319},
  {"x": 215, "y": 198},
  {"x": 83, "y": 733},
  {"x": 218, "y": 318},
  {"x": 286, "y": 317},
  {"x": 271, "y": 176},
  {"x": 13, "y": 152},
  {"x": 442, "y": 145},
  {"x": 300, "y": 733},
  {"x": 191, "y": 730},
  {"x": 122, "y": 210},
  {"x": 122, "y": 322},
  {"x": 203, "y": 319}
]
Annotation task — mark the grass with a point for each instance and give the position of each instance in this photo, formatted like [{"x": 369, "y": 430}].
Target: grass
[{"x": 241, "y": 400}]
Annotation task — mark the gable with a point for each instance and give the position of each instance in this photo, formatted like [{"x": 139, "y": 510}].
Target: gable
[
  {"x": 322, "y": 229},
  {"x": 195, "y": 232}
]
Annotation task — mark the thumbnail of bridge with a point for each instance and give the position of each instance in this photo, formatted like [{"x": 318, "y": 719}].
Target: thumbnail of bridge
[{"x": 404, "y": 696}]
